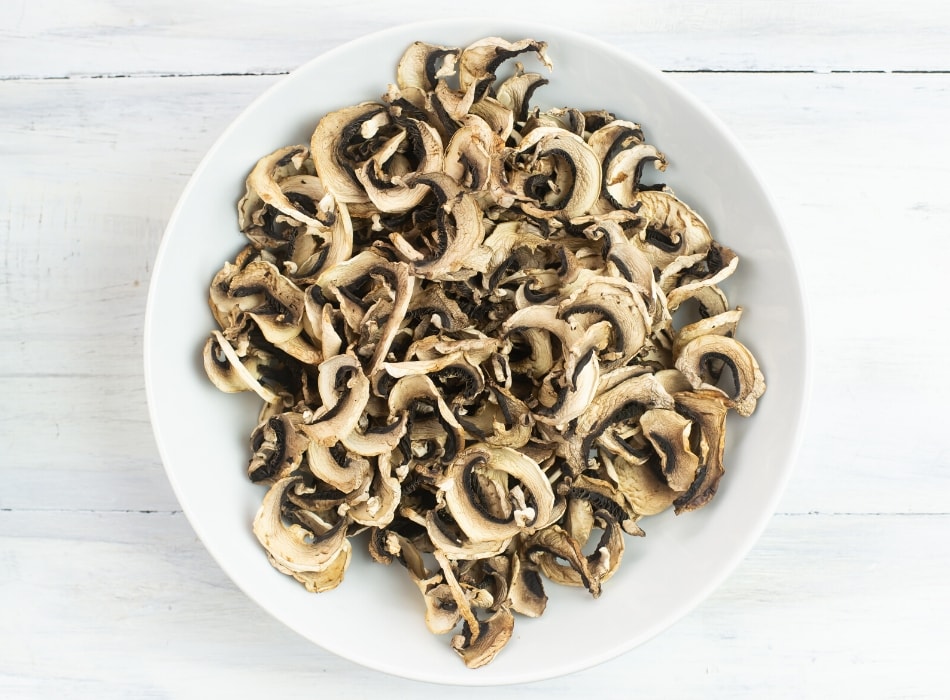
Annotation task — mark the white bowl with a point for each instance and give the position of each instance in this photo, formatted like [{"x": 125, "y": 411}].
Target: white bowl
[{"x": 376, "y": 617}]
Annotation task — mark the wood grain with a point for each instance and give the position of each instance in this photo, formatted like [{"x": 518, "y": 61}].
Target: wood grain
[
  {"x": 140, "y": 595},
  {"x": 83, "y": 219},
  {"x": 47, "y": 38}
]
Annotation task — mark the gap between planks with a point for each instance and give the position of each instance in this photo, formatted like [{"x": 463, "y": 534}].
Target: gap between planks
[
  {"x": 677, "y": 71},
  {"x": 178, "y": 511}
]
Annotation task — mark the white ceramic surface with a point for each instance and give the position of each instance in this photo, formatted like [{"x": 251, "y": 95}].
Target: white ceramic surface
[{"x": 376, "y": 616}]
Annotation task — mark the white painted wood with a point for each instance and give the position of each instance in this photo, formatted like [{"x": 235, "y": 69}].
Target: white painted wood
[
  {"x": 104, "y": 589},
  {"x": 113, "y": 605},
  {"x": 40, "y": 38},
  {"x": 854, "y": 161}
]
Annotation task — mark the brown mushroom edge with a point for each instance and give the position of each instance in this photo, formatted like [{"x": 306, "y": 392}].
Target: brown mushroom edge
[{"x": 466, "y": 319}]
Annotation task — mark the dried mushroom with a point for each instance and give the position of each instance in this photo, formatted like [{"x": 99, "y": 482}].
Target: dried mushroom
[{"x": 458, "y": 310}]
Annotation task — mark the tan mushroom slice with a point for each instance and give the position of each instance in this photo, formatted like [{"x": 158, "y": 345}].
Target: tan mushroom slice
[
  {"x": 351, "y": 474},
  {"x": 555, "y": 173},
  {"x": 669, "y": 433},
  {"x": 470, "y": 153},
  {"x": 672, "y": 228},
  {"x": 496, "y": 115},
  {"x": 494, "y": 633},
  {"x": 603, "y": 299},
  {"x": 534, "y": 509},
  {"x": 417, "y": 148},
  {"x": 505, "y": 240},
  {"x": 442, "y": 613},
  {"x": 606, "y": 141},
  {"x": 601, "y": 495},
  {"x": 455, "y": 544},
  {"x": 458, "y": 233},
  {"x": 317, "y": 250},
  {"x": 296, "y": 549},
  {"x": 624, "y": 402},
  {"x": 379, "y": 507},
  {"x": 479, "y": 61},
  {"x": 374, "y": 441},
  {"x": 630, "y": 262},
  {"x": 233, "y": 374},
  {"x": 724, "y": 323},
  {"x": 278, "y": 448},
  {"x": 526, "y": 590},
  {"x": 338, "y": 147},
  {"x": 601, "y": 564},
  {"x": 748, "y": 381},
  {"x": 719, "y": 263},
  {"x": 645, "y": 492},
  {"x": 423, "y": 64},
  {"x": 344, "y": 390},
  {"x": 431, "y": 302},
  {"x": 577, "y": 384},
  {"x": 707, "y": 410},
  {"x": 274, "y": 302},
  {"x": 552, "y": 545},
  {"x": 275, "y": 180},
  {"x": 567, "y": 119},
  {"x": 515, "y": 92},
  {"x": 226, "y": 309},
  {"x": 623, "y": 172}
]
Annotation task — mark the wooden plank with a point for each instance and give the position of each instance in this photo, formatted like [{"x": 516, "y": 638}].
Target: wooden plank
[
  {"x": 854, "y": 162},
  {"x": 53, "y": 38},
  {"x": 141, "y": 598}
]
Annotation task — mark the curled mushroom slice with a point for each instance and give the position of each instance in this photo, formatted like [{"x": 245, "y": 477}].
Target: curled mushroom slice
[
  {"x": 589, "y": 571},
  {"x": 672, "y": 228},
  {"x": 339, "y": 146},
  {"x": 298, "y": 550},
  {"x": 344, "y": 390},
  {"x": 348, "y": 473},
  {"x": 624, "y": 402},
  {"x": 554, "y": 173},
  {"x": 416, "y": 148},
  {"x": 707, "y": 410},
  {"x": 553, "y": 545},
  {"x": 621, "y": 306},
  {"x": 470, "y": 155},
  {"x": 379, "y": 507},
  {"x": 724, "y": 323},
  {"x": 274, "y": 302},
  {"x": 231, "y": 373},
  {"x": 263, "y": 184},
  {"x": 525, "y": 590},
  {"x": 479, "y": 61},
  {"x": 423, "y": 64},
  {"x": 748, "y": 382},
  {"x": 533, "y": 510},
  {"x": 515, "y": 93},
  {"x": 494, "y": 633},
  {"x": 669, "y": 433},
  {"x": 278, "y": 448},
  {"x": 643, "y": 489},
  {"x": 457, "y": 235}
]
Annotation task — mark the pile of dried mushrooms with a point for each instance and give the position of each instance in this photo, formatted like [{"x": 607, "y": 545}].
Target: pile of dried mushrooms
[{"x": 458, "y": 311}]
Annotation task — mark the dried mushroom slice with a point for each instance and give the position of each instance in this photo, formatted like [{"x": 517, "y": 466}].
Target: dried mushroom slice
[
  {"x": 480, "y": 338},
  {"x": 748, "y": 382},
  {"x": 309, "y": 548}
]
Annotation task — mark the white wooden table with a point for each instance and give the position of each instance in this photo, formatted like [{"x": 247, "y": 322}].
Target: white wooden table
[{"x": 106, "y": 106}]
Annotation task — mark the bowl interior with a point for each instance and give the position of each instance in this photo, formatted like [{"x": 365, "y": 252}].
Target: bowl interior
[{"x": 376, "y": 617}]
